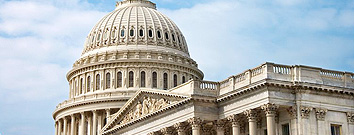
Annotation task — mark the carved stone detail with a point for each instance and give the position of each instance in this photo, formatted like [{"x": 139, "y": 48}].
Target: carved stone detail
[
  {"x": 180, "y": 127},
  {"x": 251, "y": 114},
  {"x": 154, "y": 133},
  {"x": 220, "y": 124},
  {"x": 305, "y": 111},
  {"x": 320, "y": 113},
  {"x": 167, "y": 131},
  {"x": 235, "y": 119},
  {"x": 195, "y": 121},
  {"x": 269, "y": 108},
  {"x": 292, "y": 111},
  {"x": 350, "y": 116},
  {"x": 148, "y": 105}
]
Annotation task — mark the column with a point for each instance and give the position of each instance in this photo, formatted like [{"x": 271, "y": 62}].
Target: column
[
  {"x": 65, "y": 126},
  {"x": 99, "y": 123},
  {"x": 195, "y": 123},
  {"x": 108, "y": 113},
  {"x": 305, "y": 121},
  {"x": 56, "y": 128},
  {"x": 251, "y": 115},
  {"x": 89, "y": 128},
  {"x": 82, "y": 124},
  {"x": 60, "y": 128},
  {"x": 220, "y": 126},
  {"x": 94, "y": 121},
  {"x": 322, "y": 126},
  {"x": 180, "y": 127},
  {"x": 350, "y": 117},
  {"x": 235, "y": 119},
  {"x": 270, "y": 111},
  {"x": 72, "y": 128}
]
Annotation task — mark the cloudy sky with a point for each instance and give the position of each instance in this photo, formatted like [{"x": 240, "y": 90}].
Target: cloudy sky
[{"x": 40, "y": 39}]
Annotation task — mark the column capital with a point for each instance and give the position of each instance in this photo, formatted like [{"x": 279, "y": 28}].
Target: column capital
[
  {"x": 251, "y": 114},
  {"x": 269, "y": 108},
  {"x": 235, "y": 119},
  {"x": 320, "y": 113},
  {"x": 195, "y": 121},
  {"x": 154, "y": 133},
  {"x": 220, "y": 124},
  {"x": 181, "y": 126},
  {"x": 167, "y": 131},
  {"x": 72, "y": 115},
  {"x": 350, "y": 116},
  {"x": 292, "y": 111},
  {"x": 305, "y": 111},
  {"x": 82, "y": 113}
]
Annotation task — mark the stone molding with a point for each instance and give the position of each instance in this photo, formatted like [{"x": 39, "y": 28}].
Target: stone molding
[
  {"x": 320, "y": 113},
  {"x": 350, "y": 116},
  {"x": 305, "y": 111}
]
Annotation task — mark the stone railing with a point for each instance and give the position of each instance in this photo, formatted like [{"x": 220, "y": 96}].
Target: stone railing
[
  {"x": 295, "y": 73},
  {"x": 271, "y": 71},
  {"x": 94, "y": 97}
]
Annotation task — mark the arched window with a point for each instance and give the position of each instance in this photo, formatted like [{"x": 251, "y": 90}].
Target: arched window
[
  {"x": 88, "y": 82},
  {"x": 150, "y": 33},
  {"x": 142, "y": 79},
  {"x": 119, "y": 79},
  {"x": 166, "y": 35},
  {"x": 175, "y": 80},
  {"x": 155, "y": 78},
  {"x": 131, "y": 33},
  {"x": 173, "y": 36},
  {"x": 81, "y": 85},
  {"x": 130, "y": 79},
  {"x": 141, "y": 33},
  {"x": 97, "y": 81},
  {"x": 158, "y": 34},
  {"x": 165, "y": 81},
  {"x": 179, "y": 39},
  {"x": 113, "y": 32},
  {"x": 183, "y": 79},
  {"x": 122, "y": 33},
  {"x": 108, "y": 80}
]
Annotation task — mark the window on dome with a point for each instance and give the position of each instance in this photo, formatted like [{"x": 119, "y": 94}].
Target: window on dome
[
  {"x": 173, "y": 36},
  {"x": 81, "y": 85},
  {"x": 141, "y": 33},
  {"x": 175, "y": 80},
  {"x": 131, "y": 33},
  {"x": 166, "y": 36},
  {"x": 142, "y": 79},
  {"x": 108, "y": 80},
  {"x": 122, "y": 33},
  {"x": 158, "y": 34},
  {"x": 113, "y": 33},
  {"x": 130, "y": 79},
  {"x": 88, "y": 82},
  {"x": 99, "y": 36},
  {"x": 119, "y": 79},
  {"x": 150, "y": 33},
  {"x": 92, "y": 39},
  {"x": 155, "y": 79},
  {"x": 97, "y": 81},
  {"x": 165, "y": 81},
  {"x": 179, "y": 39},
  {"x": 183, "y": 79}
]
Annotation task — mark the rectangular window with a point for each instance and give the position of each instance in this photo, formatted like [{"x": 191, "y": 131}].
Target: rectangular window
[
  {"x": 335, "y": 129},
  {"x": 286, "y": 129},
  {"x": 265, "y": 131}
]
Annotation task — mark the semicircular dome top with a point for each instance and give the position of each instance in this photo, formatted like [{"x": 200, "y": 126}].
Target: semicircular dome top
[{"x": 135, "y": 25}]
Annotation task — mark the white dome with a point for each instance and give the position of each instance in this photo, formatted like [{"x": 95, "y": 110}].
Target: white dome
[{"x": 135, "y": 25}]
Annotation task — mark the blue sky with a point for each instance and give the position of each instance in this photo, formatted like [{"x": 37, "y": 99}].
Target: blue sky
[{"x": 40, "y": 40}]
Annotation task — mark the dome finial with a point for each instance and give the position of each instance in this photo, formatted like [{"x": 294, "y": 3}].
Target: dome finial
[{"x": 142, "y": 3}]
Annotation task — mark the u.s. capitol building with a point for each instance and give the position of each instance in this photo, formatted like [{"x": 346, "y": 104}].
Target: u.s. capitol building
[{"x": 135, "y": 77}]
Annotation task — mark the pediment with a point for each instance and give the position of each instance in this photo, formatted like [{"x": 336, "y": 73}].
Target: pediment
[{"x": 144, "y": 104}]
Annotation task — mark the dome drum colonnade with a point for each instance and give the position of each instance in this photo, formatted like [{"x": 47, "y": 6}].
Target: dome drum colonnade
[{"x": 134, "y": 47}]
